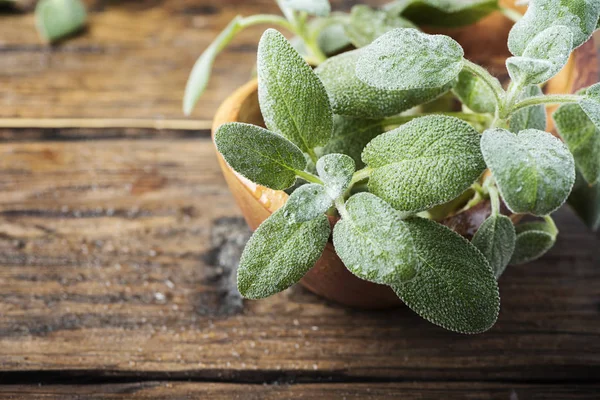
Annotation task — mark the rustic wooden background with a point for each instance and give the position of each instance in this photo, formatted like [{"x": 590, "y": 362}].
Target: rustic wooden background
[{"x": 117, "y": 247}]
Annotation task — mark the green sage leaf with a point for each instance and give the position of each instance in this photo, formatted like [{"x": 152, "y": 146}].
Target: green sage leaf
[
  {"x": 496, "y": 239},
  {"x": 351, "y": 135},
  {"x": 56, "y": 19},
  {"x": 307, "y": 202},
  {"x": 350, "y": 96},
  {"x": 582, "y": 137},
  {"x": 591, "y": 104},
  {"x": 426, "y": 162},
  {"x": 333, "y": 39},
  {"x": 335, "y": 170},
  {"x": 474, "y": 93},
  {"x": 322, "y": 8},
  {"x": 454, "y": 286},
  {"x": 585, "y": 201},
  {"x": 367, "y": 24},
  {"x": 580, "y": 16},
  {"x": 292, "y": 99},
  {"x": 534, "y": 170},
  {"x": 543, "y": 58},
  {"x": 198, "y": 79},
  {"x": 279, "y": 254},
  {"x": 373, "y": 241},
  {"x": 534, "y": 239},
  {"x": 260, "y": 155},
  {"x": 531, "y": 117},
  {"x": 449, "y": 13},
  {"x": 405, "y": 59}
]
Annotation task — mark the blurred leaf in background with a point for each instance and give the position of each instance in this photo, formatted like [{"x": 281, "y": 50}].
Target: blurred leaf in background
[{"x": 56, "y": 19}]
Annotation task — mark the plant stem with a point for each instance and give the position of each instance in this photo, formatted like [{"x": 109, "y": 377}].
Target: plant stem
[
  {"x": 549, "y": 99},
  {"x": 511, "y": 14},
  {"x": 550, "y": 222},
  {"x": 307, "y": 176},
  {"x": 492, "y": 82},
  {"x": 360, "y": 175},
  {"x": 341, "y": 207},
  {"x": 495, "y": 199},
  {"x": 266, "y": 19},
  {"x": 402, "y": 119}
]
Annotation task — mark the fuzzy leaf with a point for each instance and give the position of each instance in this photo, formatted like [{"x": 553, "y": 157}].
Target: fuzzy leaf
[
  {"x": 534, "y": 170},
  {"x": 585, "y": 200},
  {"x": 374, "y": 243},
  {"x": 531, "y": 117},
  {"x": 322, "y": 8},
  {"x": 198, "y": 79},
  {"x": 405, "y": 59},
  {"x": 582, "y": 137},
  {"x": 292, "y": 99},
  {"x": 543, "y": 58},
  {"x": 260, "y": 155},
  {"x": 426, "y": 162},
  {"x": 454, "y": 286},
  {"x": 307, "y": 202},
  {"x": 56, "y": 19},
  {"x": 496, "y": 239},
  {"x": 449, "y": 13},
  {"x": 333, "y": 39},
  {"x": 279, "y": 254},
  {"x": 336, "y": 170},
  {"x": 351, "y": 97},
  {"x": 367, "y": 24},
  {"x": 474, "y": 93},
  {"x": 580, "y": 16},
  {"x": 591, "y": 104},
  {"x": 534, "y": 239}
]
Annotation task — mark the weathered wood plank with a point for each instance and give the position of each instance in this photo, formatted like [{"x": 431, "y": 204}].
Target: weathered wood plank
[
  {"x": 325, "y": 391},
  {"x": 116, "y": 260}
]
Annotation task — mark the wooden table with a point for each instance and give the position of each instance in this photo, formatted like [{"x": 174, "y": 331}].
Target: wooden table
[{"x": 118, "y": 243}]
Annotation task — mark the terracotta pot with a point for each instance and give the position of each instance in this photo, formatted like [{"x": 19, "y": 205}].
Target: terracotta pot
[{"x": 484, "y": 43}]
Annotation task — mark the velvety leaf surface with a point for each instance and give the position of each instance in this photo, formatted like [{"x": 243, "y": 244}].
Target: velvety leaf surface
[
  {"x": 321, "y": 8},
  {"x": 585, "y": 201},
  {"x": 351, "y": 97},
  {"x": 351, "y": 135},
  {"x": 56, "y": 19},
  {"x": 449, "y": 13},
  {"x": 405, "y": 59},
  {"x": 474, "y": 93},
  {"x": 534, "y": 170},
  {"x": 292, "y": 98},
  {"x": 426, "y": 162},
  {"x": 307, "y": 202},
  {"x": 333, "y": 39},
  {"x": 454, "y": 286},
  {"x": 335, "y": 170},
  {"x": 582, "y": 137},
  {"x": 580, "y": 16},
  {"x": 260, "y": 155},
  {"x": 374, "y": 243},
  {"x": 531, "y": 117},
  {"x": 543, "y": 58},
  {"x": 534, "y": 239},
  {"x": 496, "y": 239},
  {"x": 367, "y": 24},
  {"x": 279, "y": 254}
]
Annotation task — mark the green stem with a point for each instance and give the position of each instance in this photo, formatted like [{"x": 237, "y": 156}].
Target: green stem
[
  {"x": 341, "y": 207},
  {"x": 550, "y": 222},
  {"x": 360, "y": 175},
  {"x": 511, "y": 14},
  {"x": 307, "y": 176},
  {"x": 402, "y": 119},
  {"x": 549, "y": 99},
  {"x": 313, "y": 156},
  {"x": 495, "y": 199},
  {"x": 489, "y": 80},
  {"x": 266, "y": 19}
]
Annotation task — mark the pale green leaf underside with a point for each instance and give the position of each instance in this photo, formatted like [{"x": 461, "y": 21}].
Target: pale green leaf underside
[
  {"x": 367, "y": 24},
  {"x": 279, "y": 254},
  {"x": 449, "y": 13},
  {"x": 534, "y": 239},
  {"x": 321, "y": 8},
  {"x": 351, "y": 97},
  {"x": 585, "y": 200},
  {"x": 474, "y": 93},
  {"x": 307, "y": 202},
  {"x": 335, "y": 170},
  {"x": 582, "y": 137},
  {"x": 455, "y": 286},
  {"x": 580, "y": 16},
  {"x": 333, "y": 39},
  {"x": 260, "y": 155},
  {"x": 374, "y": 243},
  {"x": 592, "y": 108},
  {"x": 426, "y": 162},
  {"x": 56, "y": 19},
  {"x": 543, "y": 58},
  {"x": 534, "y": 170},
  {"x": 531, "y": 117},
  {"x": 292, "y": 99},
  {"x": 496, "y": 239},
  {"x": 405, "y": 59}
]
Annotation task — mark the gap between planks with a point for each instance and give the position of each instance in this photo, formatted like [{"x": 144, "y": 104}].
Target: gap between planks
[{"x": 100, "y": 123}]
